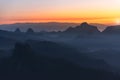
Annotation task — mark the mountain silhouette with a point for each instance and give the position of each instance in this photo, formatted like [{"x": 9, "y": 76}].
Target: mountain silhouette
[
  {"x": 101, "y": 27},
  {"x": 84, "y": 28},
  {"x": 18, "y": 30},
  {"x": 50, "y": 26},
  {"x": 43, "y": 56},
  {"x": 30, "y": 30},
  {"x": 38, "y": 27},
  {"x": 112, "y": 29}
]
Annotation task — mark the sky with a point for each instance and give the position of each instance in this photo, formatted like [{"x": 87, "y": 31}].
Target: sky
[{"x": 92, "y": 11}]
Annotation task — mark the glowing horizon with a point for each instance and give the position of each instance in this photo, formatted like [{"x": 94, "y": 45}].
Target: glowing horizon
[{"x": 77, "y": 11}]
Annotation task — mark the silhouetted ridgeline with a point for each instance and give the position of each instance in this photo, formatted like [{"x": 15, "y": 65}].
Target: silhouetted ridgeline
[
  {"x": 84, "y": 28},
  {"x": 30, "y": 30},
  {"x": 78, "y": 53},
  {"x": 50, "y": 26},
  {"x": 112, "y": 30},
  {"x": 17, "y": 30},
  {"x": 37, "y": 27}
]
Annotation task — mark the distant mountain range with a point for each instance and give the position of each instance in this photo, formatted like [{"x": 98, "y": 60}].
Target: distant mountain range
[
  {"x": 37, "y": 27},
  {"x": 85, "y": 28},
  {"x": 50, "y": 26},
  {"x": 64, "y": 27}
]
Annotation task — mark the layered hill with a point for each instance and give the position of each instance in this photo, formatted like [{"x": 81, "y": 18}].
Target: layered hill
[
  {"x": 112, "y": 30},
  {"x": 83, "y": 28},
  {"x": 50, "y": 26}
]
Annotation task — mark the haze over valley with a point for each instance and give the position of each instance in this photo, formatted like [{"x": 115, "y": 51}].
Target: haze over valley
[{"x": 80, "y": 48}]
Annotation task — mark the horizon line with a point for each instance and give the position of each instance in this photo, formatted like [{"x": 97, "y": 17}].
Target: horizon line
[{"x": 30, "y": 22}]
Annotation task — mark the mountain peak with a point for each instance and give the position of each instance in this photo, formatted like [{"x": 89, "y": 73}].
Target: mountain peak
[
  {"x": 84, "y": 28},
  {"x": 17, "y": 30},
  {"x": 30, "y": 30},
  {"x": 84, "y": 24}
]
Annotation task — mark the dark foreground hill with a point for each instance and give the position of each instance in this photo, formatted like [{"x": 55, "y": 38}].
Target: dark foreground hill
[{"x": 25, "y": 64}]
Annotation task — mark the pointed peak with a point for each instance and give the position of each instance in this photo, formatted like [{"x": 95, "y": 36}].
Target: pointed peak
[
  {"x": 84, "y": 24},
  {"x": 18, "y": 30},
  {"x": 30, "y": 30}
]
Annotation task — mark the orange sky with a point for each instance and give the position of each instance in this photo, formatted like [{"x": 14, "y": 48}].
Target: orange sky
[{"x": 92, "y": 11}]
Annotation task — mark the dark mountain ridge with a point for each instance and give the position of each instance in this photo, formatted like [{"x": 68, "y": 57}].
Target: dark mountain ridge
[
  {"x": 112, "y": 29},
  {"x": 37, "y": 27},
  {"x": 84, "y": 28},
  {"x": 50, "y": 26}
]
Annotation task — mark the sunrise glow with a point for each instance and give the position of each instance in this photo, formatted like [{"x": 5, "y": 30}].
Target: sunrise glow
[
  {"x": 117, "y": 21},
  {"x": 97, "y": 11}
]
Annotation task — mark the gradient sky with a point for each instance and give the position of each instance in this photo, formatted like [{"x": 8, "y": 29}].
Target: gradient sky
[{"x": 92, "y": 11}]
